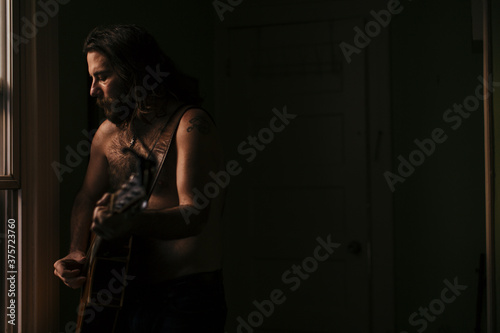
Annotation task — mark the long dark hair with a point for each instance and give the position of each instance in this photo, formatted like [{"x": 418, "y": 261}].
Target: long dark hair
[{"x": 135, "y": 54}]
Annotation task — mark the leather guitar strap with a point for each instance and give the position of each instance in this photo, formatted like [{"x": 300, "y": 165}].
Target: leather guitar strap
[{"x": 162, "y": 145}]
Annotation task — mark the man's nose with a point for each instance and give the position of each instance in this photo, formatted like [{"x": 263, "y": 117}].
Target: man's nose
[{"x": 95, "y": 91}]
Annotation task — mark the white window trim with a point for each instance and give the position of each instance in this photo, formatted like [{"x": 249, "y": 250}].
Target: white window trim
[{"x": 9, "y": 178}]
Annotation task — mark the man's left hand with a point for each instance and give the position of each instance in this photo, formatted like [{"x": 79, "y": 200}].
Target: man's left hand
[{"x": 108, "y": 225}]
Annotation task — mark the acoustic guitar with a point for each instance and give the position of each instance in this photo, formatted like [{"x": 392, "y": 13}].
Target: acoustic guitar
[{"x": 107, "y": 262}]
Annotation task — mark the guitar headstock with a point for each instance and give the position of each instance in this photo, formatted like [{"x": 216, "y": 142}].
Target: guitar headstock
[{"x": 131, "y": 195}]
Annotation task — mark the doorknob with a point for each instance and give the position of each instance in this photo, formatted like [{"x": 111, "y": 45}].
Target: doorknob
[{"x": 354, "y": 247}]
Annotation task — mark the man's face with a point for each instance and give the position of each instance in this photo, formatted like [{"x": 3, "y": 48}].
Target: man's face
[{"x": 107, "y": 87}]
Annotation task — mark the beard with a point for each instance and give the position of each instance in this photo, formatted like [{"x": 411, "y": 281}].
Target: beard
[{"x": 115, "y": 110}]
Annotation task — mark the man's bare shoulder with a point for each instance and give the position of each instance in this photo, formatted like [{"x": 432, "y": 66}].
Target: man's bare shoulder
[
  {"x": 106, "y": 131},
  {"x": 198, "y": 134},
  {"x": 197, "y": 121}
]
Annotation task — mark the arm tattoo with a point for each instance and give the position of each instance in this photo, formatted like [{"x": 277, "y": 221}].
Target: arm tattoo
[{"x": 200, "y": 124}]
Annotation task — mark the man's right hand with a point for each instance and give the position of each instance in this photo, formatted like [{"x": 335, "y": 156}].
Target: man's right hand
[{"x": 68, "y": 269}]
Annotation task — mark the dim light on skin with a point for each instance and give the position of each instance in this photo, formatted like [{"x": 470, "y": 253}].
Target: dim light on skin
[
  {"x": 107, "y": 87},
  {"x": 105, "y": 81}
]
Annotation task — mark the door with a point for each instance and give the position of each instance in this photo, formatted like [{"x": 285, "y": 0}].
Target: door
[{"x": 293, "y": 116}]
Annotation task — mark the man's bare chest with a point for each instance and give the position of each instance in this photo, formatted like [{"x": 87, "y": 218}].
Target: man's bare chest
[{"x": 123, "y": 163}]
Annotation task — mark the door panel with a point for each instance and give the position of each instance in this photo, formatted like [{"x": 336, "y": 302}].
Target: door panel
[{"x": 308, "y": 183}]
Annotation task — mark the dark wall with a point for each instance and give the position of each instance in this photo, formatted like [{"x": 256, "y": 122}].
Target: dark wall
[
  {"x": 439, "y": 208},
  {"x": 185, "y": 31}
]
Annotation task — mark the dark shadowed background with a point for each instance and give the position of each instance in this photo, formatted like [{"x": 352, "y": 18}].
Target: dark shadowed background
[{"x": 324, "y": 173}]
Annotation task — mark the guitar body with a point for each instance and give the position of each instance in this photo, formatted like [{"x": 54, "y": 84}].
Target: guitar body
[
  {"x": 104, "y": 290},
  {"x": 107, "y": 263}
]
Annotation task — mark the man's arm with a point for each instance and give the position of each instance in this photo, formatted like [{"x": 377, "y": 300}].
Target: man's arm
[
  {"x": 198, "y": 153},
  {"x": 94, "y": 186}
]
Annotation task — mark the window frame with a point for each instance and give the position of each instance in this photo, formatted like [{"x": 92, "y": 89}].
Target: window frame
[
  {"x": 29, "y": 180},
  {"x": 10, "y": 110},
  {"x": 10, "y": 175}
]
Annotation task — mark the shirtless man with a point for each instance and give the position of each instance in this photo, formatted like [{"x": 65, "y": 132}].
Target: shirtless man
[{"x": 178, "y": 255}]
